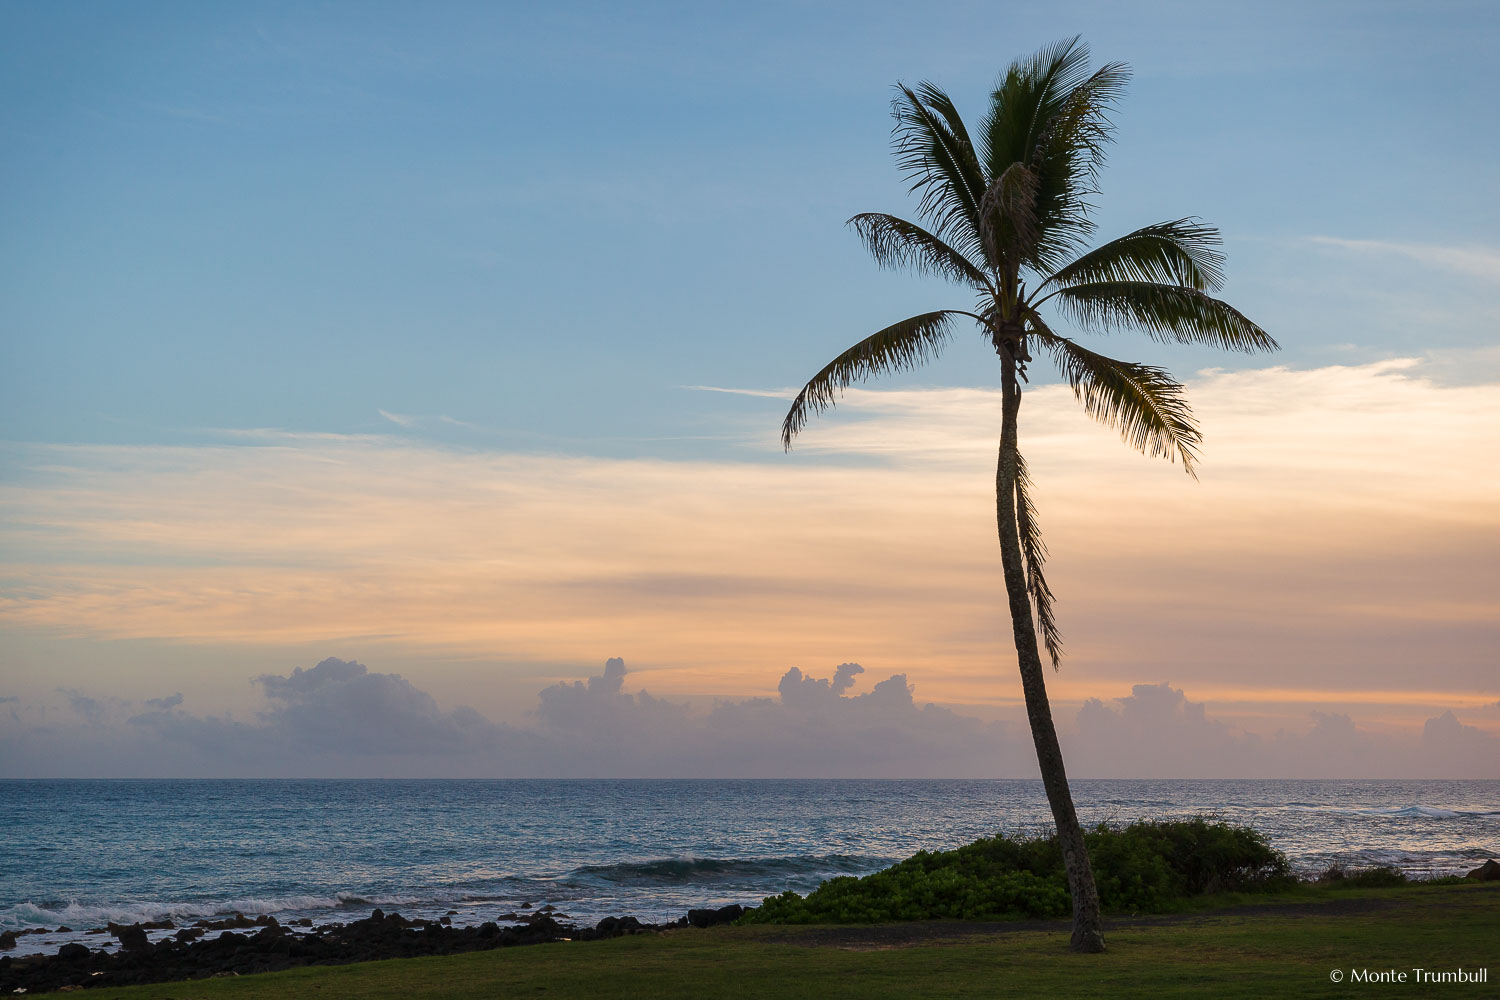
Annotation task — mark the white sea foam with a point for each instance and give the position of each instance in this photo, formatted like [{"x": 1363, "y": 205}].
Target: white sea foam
[
  {"x": 74, "y": 913},
  {"x": 1411, "y": 811}
]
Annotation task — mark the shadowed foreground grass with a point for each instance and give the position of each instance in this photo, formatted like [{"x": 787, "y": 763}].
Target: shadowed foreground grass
[{"x": 1283, "y": 948}]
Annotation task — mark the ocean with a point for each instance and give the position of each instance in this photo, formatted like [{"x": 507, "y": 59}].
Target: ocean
[{"x": 81, "y": 853}]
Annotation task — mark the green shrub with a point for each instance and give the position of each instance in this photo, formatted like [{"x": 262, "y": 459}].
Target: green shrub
[
  {"x": 1143, "y": 867},
  {"x": 1368, "y": 878}
]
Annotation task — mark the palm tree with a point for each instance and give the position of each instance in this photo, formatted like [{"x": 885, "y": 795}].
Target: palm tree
[{"x": 1008, "y": 217}]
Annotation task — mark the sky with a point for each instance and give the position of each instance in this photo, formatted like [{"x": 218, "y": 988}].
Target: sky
[{"x": 380, "y": 362}]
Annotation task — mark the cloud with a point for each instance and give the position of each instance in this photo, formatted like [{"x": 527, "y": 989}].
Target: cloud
[
  {"x": 340, "y": 719},
  {"x": 1156, "y": 730},
  {"x": 339, "y": 705},
  {"x": 413, "y": 420},
  {"x": 90, "y": 709},
  {"x": 814, "y": 727},
  {"x": 759, "y": 393},
  {"x": 1475, "y": 261},
  {"x": 1446, "y": 739},
  {"x": 399, "y": 419}
]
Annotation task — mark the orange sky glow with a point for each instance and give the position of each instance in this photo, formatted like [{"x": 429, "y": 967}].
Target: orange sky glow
[{"x": 1339, "y": 549}]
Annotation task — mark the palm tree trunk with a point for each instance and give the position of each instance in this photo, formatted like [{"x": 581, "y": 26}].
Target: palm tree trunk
[{"x": 1087, "y": 931}]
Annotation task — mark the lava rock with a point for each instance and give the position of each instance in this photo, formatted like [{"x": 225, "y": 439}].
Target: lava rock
[
  {"x": 191, "y": 954},
  {"x": 618, "y": 925},
  {"x": 710, "y": 918},
  {"x": 1487, "y": 872},
  {"x": 133, "y": 938}
]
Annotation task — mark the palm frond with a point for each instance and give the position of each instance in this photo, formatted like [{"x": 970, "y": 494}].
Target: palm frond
[
  {"x": 1078, "y": 129},
  {"x": 1035, "y": 552},
  {"x": 1182, "y": 252},
  {"x": 899, "y": 347},
  {"x": 934, "y": 152},
  {"x": 1145, "y": 404},
  {"x": 1165, "y": 312},
  {"x": 1068, "y": 157},
  {"x": 896, "y": 243},
  {"x": 1051, "y": 114},
  {"x": 1027, "y": 96}
]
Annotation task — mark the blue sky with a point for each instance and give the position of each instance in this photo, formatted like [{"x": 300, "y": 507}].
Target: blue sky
[{"x": 545, "y": 220}]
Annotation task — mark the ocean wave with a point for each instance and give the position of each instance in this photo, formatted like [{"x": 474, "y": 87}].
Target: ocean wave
[
  {"x": 1409, "y": 812},
  {"x": 690, "y": 870},
  {"x": 51, "y": 913},
  {"x": 71, "y": 912}
]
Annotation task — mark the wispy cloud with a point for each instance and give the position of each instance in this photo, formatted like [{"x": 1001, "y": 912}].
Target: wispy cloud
[
  {"x": 1477, "y": 261},
  {"x": 413, "y": 420},
  {"x": 763, "y": 393},
  {"x": 399, "y": 419}
]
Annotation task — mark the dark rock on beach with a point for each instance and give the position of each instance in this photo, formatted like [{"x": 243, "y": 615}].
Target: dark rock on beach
[
  {"x": 710, "y": 918},
  {"x": 239, "y": 920},
  {"x": 194, "y": 953},
  {"x": 133, "y": 938},
  {"x": 618, "y": 925},
  {"x": 1487, "y": 872}
]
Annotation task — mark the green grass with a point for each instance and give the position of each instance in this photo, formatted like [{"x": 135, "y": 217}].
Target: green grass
[{"x": 1256, "y": 953}]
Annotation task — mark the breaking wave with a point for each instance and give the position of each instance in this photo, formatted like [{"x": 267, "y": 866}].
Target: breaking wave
[
  {"x": 1410, "y": 812},
  {"x": 711, "y": 871},
  {"x": 75, "y": 914}
]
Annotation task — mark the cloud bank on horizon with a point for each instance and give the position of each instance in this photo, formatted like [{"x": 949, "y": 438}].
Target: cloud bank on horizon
[{"x": 340, "y": 719}]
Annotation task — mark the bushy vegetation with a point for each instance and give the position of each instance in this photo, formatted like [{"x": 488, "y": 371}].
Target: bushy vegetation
[
  {"x": 1366, "y": 878},
  {"x": 1145, "y": 867}
]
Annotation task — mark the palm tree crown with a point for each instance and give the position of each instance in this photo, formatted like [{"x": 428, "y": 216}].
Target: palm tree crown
[{"x": 1008, "y": 216}]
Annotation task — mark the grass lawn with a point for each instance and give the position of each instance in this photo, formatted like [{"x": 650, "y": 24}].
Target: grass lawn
[{"x": 1273, "y": 946}]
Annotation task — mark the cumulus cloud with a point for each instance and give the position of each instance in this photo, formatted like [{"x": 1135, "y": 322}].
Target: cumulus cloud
[
  {"x": 340, "y": 705},
  {"x": 91, "y": 709},
  {"x": 1445, "y": 738},
  {"x": 814, "y": 727},
  {"x": 339, "y": 718},
  {"x": 1157, "y": 730}
]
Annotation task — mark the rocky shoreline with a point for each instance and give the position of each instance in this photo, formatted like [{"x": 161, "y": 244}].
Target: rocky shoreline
[{"x": 240, "y": 946}]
